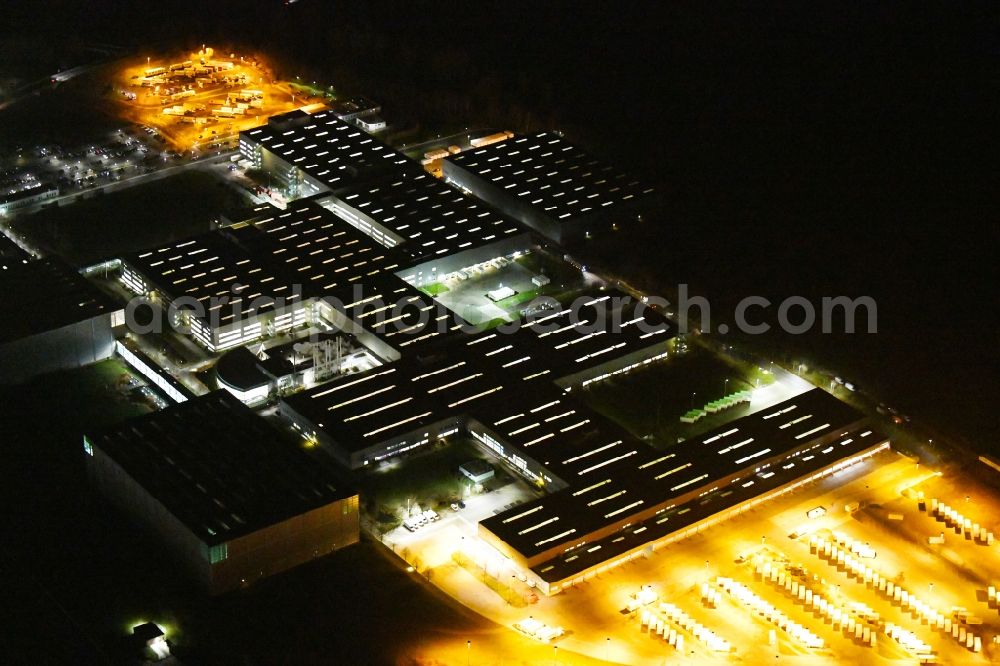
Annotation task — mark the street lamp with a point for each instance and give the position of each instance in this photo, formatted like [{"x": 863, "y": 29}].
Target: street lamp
[{"x": 468, "y": 652}]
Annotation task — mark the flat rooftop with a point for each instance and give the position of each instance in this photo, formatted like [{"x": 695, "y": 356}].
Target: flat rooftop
[
  {"x": 400, "y": 315},
  {"x": 427, "y": 217},
  {"x": 212, "y": 266},
  {"x": 319, "y": 250},
  {"x": 354, "y": 106},
  {"x": 328, "y": 149},
  {"x": 486, "y": 375},
  {"x": 248, "y": 213},
  {"x": 561, "y": 433},
  {"x": 219, "y": 468},
  {"x": 552, "y": 175},
  {"x": 674, "y": 519},
  {"x": 300, "y": 252},
  {"x": 626, "y": 476},
  {"x": 360, "y": 411},
  {"x": 44, "y": 295},
  {"x": 601, "y": 325},
  {"x": 11, "y": 254}
]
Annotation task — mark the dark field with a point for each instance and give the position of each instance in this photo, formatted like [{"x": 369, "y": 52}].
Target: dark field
[
  {"x": 132, "y": 219},
  {"x": 69, "y": 114},
  {"x": 679, "y": 383}
]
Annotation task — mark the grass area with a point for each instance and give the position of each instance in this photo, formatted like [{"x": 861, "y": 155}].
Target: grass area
[
  {"x": 128, "y": 220},
  {"x": 558, "y": 271},
  {"x": 680, "y": 382},
  {"x": 315, "y": 91},
  {"x": 434, "y": 289},
  {"x": 557, "y": 292},
  {"x": 430, "y": 479},
  {"x": 565, "y": 281},
  {"x": 85, "y": 398},
  {"x": 492, "y": 323},
  {"x": 469, "y": 297}
]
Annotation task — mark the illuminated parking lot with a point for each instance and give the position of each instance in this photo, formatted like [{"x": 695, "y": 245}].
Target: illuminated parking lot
[
  {"x": 200, "y": 101},
  {"x": 846, "y": 585}
]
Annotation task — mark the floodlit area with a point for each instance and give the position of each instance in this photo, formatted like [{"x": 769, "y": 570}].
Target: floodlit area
[
  {"x": 409, "y": 487},
  {"x": 200, "y": 101},
  {"x": 858, "y": 582},
  {"x": 504, "y": 288}
]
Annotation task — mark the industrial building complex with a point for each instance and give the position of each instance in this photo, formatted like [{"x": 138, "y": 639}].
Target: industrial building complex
[
  {"x": 347, "y": 308},
  {"x": 310, "y": 154}
]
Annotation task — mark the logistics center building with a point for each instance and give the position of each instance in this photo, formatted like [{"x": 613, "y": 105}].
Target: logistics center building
[
  {"x": 551, "y": 185},
  {"x": 610, "y": 496},
  {"x": 378, "y": 190},
  {"x": 234, "y": 500},
  {"x": 259, "y": 277},
  {"x": 370, "y": 211},
  {"x": 425, "y": 217},
  {"x": 457, "y": 378},
  {"x": 625, "y": 499},
  {"x": 311, "y": 154}
]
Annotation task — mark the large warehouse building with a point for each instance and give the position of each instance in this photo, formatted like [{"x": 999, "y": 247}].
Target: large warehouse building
[
  {"x": 310, "y": 154},
  {"x": 426, "y": 218},
  {"x": 232, "y": 499},
  {"x": 378, "y": 190},
  {"x": 550, "y": 185},
  {"x": 368, "y": 215},
  {"x": 410, "y": 403},
  {"x": 57, "y": 320},
  {"x": 625, "y": 498},
  {"x": 259, "y": 277},
  {"x": 610, "y": 496}
]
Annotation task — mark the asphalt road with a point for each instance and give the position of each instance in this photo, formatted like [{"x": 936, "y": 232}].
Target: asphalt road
[{"x": 132, "y": 181}]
